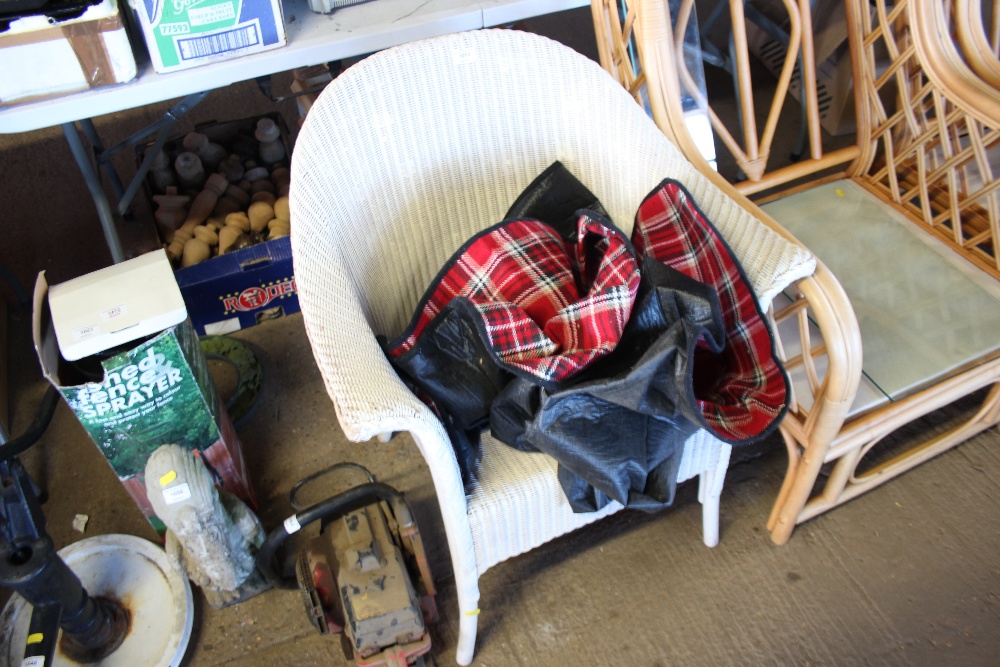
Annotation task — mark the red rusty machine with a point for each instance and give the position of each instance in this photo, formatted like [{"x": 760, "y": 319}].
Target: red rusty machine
[{"x": 365, "y": 576}]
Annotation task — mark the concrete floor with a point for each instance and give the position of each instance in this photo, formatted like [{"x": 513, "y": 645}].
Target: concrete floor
[{"x": 907, "y": 574}]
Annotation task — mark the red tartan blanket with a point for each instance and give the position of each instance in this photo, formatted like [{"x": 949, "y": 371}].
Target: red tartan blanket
[
  {"x": 550, "y": 307},
  {"x": 741, "y": 391},
  {"x": 565, "y": 337}
]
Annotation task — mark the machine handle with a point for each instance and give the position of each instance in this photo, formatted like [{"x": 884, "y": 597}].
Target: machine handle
[
  {"x": 43, "y": 630},
  {"x": 338, "y": 505}
]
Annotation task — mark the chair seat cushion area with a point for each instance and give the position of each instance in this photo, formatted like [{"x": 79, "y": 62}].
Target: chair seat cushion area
[
  {"x": 516, "y": 502},
  {"x": 548, "y": 332},
  {"x": 923, "y": 312}
]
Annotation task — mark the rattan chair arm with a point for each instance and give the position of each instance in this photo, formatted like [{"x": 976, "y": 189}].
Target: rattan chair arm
[
  {"x": 831, "y": 311},
  {"x": 809, "y": 433},
  {"x": 656, "y": 52},
  {"x": 975, "y": 46},
  {"x": 944, "y": 66}
]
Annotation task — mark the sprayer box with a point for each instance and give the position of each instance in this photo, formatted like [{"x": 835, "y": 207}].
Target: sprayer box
[{"x": 119, "y": 347}]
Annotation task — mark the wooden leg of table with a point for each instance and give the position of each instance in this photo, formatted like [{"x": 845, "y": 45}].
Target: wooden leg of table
[{"x": 804, "y": 478}]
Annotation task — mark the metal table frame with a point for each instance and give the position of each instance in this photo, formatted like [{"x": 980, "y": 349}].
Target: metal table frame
[{"x": 312, "y": 38}]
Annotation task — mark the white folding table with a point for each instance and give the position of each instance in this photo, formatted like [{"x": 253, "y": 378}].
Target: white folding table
[{"x": 312, "y": 39}]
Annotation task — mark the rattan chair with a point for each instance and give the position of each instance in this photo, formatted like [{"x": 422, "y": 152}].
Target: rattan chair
[
  {"x": 917, "y": 244},
  {"x": 404, "y": 157},
  {"x": 977, "y": 45}
]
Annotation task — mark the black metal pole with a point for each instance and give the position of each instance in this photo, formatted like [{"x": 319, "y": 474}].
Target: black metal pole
[
  {"x": 93, "y": 181},
  {"x": 92, "y": 628}
]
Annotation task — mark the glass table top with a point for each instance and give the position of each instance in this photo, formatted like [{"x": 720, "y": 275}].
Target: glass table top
[{"x": 922, "y": 314}]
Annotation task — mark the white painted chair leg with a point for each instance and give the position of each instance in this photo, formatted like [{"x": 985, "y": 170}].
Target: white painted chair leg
[
  {"x": 709, "y": 492},
  {"x": 709, "y": 514},
  {"x": 467, "y": 636}
]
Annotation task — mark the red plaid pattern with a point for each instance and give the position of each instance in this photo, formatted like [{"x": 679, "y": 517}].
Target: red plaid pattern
[
  {"x": 745, "y": 390},
  {"x": 550, "y": 308}
]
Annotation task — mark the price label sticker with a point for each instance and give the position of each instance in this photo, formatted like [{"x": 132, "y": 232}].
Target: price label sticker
[
  {"x": 113, "y": 312},
  {"x": 176, "y": 494},
  {"x": 82, "y": 333},
  {"x": 463, "y": 56},
  {"x": 292, "y": 525},
  {"x": 34, "y": 661}
]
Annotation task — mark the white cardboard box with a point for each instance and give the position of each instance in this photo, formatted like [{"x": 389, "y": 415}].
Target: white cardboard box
[
  {"x": 39, "y": 59},
  {"x": 148, "y": 383},
  {"x": 116, "y": 305}
]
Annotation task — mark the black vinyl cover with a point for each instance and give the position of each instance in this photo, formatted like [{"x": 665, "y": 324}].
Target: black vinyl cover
[{"x": 617, "y": 429}]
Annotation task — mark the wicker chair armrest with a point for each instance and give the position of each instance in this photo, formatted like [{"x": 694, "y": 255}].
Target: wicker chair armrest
[{"x": 368, "y": 396}]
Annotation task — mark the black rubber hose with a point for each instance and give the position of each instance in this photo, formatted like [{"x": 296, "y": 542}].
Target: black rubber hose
[
  {"x": 338, "y": 505},
  {"x": 42, "y": 419}
]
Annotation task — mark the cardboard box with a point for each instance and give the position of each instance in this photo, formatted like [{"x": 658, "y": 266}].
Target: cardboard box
[
  {"x": 186, "y": 33},
  {"x": 236, "y": 136},
  {"x": 148, "y": 384},
  {"x": 241, "y": 288},
  {"x": 42, "y": 58}
]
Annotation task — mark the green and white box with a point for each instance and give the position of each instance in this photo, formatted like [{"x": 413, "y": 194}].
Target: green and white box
[
  {"x": 119, "y": 347},
  {"x": 186, "y": 33}
]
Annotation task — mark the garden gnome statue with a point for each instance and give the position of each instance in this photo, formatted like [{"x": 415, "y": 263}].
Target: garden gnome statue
[{"x": 212, "y": 536}]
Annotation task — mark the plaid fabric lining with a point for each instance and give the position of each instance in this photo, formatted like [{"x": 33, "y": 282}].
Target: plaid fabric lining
[
  {"x": 526, "y": 283},
  {"x": 746, "y": 391}
]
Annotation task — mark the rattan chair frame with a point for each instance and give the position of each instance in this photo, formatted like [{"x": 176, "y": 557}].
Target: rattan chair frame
[
  {"x": 752, "y": 153},
  {"x": 916, "y": 160},
  {"x": 973, "y": 41}
]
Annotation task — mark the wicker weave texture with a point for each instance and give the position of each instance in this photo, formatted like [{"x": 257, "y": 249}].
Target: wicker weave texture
[
  {"x": 403, "y": 158},
  {"x": 461, "y": 138},
  {"x": 503, "y": 507}
]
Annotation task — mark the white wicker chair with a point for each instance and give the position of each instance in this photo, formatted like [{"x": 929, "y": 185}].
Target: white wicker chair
[{"x": 402, "y": 159}]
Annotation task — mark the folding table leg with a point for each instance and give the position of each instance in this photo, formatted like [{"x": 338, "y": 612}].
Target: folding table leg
[
  {"x": 93, "y": 182},
  {"x": 91, "y": 176},
  {"x": 162, "y": 128}
]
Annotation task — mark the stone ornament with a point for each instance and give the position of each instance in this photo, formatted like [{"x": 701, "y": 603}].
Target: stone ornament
[{"x": 212, "y": 536}]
